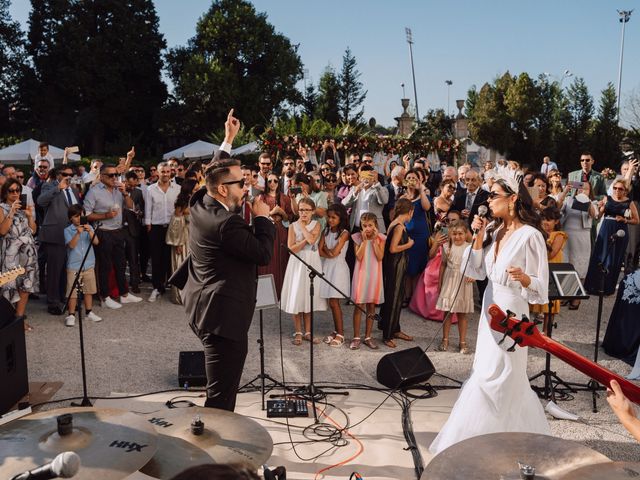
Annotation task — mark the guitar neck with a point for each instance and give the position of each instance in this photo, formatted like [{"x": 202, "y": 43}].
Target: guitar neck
[{"x": 597, "y": 372}]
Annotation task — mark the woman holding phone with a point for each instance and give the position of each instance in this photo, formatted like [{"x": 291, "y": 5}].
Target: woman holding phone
[{"x": 17, "y": 247}]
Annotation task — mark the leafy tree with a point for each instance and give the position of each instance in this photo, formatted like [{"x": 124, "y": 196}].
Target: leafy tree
[
  {"x": 12, "y": 61},
  {"x": 470, "y": 102},
  {"x": 352, "y": 94},
  {"x": 607, "y": 135},
  {"x": 329, "y": 96},
  {"x": 236, "y": 59},
  {"x": 436, "y": 125},
  {"x": 310, "y": 100},
  {"x": 97, "y": 76},
  {"x": 576, "y": 120},
  {"x": 549, "y": 127}
]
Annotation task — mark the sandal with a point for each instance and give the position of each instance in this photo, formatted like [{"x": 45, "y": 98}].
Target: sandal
[
  {"x": 370, "y": 343},
  {"x": 297, "y": 338},
  {"x": 337, "y": 341},
  {"x": 355, "y": 344},
  {"x": 403, "y": 336},
  {"x": 444, "y": 345},
  {"x": 307, "y": 338},
  {"x": 390, "y": 343},
  {"x": 463, "y": 348},
  {"x": 329, "y": 338}
]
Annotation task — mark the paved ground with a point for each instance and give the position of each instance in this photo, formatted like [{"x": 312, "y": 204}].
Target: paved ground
[{"x": 135, "y": 349}]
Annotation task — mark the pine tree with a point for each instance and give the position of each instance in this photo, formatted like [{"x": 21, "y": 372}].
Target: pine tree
[
  {"x": 352, "y": 94},
  {"x": 12, "y": 61},
  {"x": 606, "y": 133},
  {"x": 576, "y": 120},
  {"x": 329, "y": 96},
  {"x": 310, "y": 100}
]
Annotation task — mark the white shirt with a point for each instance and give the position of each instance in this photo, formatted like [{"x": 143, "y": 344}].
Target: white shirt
[
  {"x": 28, "y": 191},
  {"x": 159, "y": 206},
  {"x": 547, "y": 167}
]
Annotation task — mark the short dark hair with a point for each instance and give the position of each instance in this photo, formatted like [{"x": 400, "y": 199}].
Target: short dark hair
[
  {"x": 254, "y": 168},
  {"x": 219, "y": 171},
  {"x": 131, "y": 175},
  {"x": 104, "y": 166},
  {"x": 43, "y": 144},
  {"x": 74, "y": 210}
]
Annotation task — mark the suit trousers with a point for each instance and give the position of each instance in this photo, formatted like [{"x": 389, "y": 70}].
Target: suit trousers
[
  {"x": 131, "y": 245},
  {"x": 143, "y": 247},
  {"x": 160, "y": 256},
  {"x": 56, "y": 255},
  {"x": 110, "y": 252},
  {"x": 224, "y": 361}
]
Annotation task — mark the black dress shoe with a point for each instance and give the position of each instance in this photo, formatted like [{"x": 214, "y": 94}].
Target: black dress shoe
[{"x": 54, "y": 310}]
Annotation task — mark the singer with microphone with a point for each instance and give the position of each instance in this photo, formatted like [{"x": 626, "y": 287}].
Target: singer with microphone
[
  {"x": 220, "y": 291},
  {"x": 511, "y": 253},
  {"x": 609, "y": 250}
]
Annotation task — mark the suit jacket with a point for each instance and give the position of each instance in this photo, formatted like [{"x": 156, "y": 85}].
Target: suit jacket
[
  {"x": 55, "y": 219},
  {"x": 379, "y": 198},
  {"x": 220, "y": 292},
  {"x": 598, "y": 185},
  {"x": 460, "y": 201}
]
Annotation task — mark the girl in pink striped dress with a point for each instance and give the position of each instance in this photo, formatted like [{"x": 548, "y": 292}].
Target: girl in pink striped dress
[{"x": 366, "y": 287}]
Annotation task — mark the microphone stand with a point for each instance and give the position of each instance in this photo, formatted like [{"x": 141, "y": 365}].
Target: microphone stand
[
  {"x": 311, "y": 391},
  {"x": 77, "y": 285}
]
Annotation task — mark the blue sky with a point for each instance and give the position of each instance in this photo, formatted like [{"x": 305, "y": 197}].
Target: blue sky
[{"x": 466, "y": 41}]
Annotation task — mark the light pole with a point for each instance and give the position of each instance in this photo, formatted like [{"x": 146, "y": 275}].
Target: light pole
[
  {"x": 566, "y": 74},
  {"x": 449, "y": 83},
  {"x": 407, "y": 30},
  {"x": 625, "y": 15}
]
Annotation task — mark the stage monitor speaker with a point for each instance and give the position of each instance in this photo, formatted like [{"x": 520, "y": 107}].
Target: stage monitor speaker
[
  {"x": 191, "y": 370},
  {"x": 14, "y": 380},
  {"x": 404, "y": 368}
]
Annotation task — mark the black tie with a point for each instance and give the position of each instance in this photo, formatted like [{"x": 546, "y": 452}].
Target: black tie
[{"x": 69, "y": 201}]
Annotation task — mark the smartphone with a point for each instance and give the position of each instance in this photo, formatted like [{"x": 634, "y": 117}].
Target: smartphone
[
  {"x": 295, "y": 190},
  {"x": 576, "y": 185},
  {"x": 23, "y": 201},
  {"x": 83, "y": 220},
  {"x": 444, "y": 230}
]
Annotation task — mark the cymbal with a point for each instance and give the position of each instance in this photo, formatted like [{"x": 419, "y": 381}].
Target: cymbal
[
  {"x": 226, "y": 437},
  {"x": 496, "y": 455},
  {"x": 111, "y": 443},
  {"x": 610, "y": 471}
]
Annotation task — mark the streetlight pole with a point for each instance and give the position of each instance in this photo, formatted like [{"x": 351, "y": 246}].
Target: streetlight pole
[
  {"x": 449, "y": 83},
  {"x": 407, "y": 30},
  {"x": 625, "y": 15}
]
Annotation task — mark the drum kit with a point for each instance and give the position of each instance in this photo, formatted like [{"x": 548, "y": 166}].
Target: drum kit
[
  {"x": 526, "y": 456},
  {"x": 114, "y": 444}
]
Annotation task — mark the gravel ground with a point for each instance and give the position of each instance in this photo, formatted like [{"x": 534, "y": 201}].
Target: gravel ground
[{"x": 135, "y": 349}]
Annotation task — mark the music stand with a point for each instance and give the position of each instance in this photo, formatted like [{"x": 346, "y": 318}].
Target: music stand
[
  {"x": 266, "y": 297},
  {"x": 564, "y": 284}
]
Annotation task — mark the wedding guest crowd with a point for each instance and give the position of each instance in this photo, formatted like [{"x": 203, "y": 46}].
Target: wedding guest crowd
[{"x": 387, "y": 232}]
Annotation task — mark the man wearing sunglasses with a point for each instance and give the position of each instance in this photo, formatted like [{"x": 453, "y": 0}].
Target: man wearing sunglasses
[
  {"x": 220, "y": 291},
  {"x": 588, "y": 174},
  {"x": 56, "y": 197}
]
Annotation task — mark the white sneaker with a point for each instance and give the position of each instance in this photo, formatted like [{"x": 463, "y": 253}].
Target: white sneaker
[
  {"x": 92, "y": 316},
  {"x": 70, "y": 321},
  {"x": 111, "y": 303},
  {"x": 130, "y": 298},
  {"x": 154, "y": 295}
]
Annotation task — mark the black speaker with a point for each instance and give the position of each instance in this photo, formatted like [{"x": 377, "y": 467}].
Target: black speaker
[
  {"x": 404, "y": 368},
  {"x": 191, "y": 370},
  {"x": 13, "y": 365}
]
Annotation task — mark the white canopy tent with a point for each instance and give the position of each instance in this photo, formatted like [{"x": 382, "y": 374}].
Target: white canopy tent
[
  {"x": 196, "y": 150},
  {"x": 24, "y": 153},
  {"x": 248, "y": 148}
]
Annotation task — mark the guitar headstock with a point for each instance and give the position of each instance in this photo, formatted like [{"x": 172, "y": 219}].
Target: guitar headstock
[
  {"x": 9, "y": 275},
  {"x": 524, "y": 332}
]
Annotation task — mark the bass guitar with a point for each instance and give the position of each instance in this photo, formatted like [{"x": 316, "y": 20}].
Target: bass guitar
[
  {"x": 525, "y": 333},
  {"x": 10, "y": 275}
]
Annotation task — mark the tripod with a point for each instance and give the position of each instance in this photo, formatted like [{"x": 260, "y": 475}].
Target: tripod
[{"x": 77, "y": 286}]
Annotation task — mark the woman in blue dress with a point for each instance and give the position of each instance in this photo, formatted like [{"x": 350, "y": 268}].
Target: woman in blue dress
[
  {"x": 418, "y": 230},
  {"x": 609, "y": 250}
]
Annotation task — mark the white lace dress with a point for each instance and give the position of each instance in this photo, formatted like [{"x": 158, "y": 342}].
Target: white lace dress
[{"x": 497, "y": 396}]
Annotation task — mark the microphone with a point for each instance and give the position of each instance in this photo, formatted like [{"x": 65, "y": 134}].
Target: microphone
[
  {"x": 619, "y": 234},
  {"x": 65, "y": 465},
  {"x": 482, "y": 212}
]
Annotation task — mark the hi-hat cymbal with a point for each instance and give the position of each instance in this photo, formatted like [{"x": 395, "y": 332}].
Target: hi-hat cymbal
[
  {"x": 497, "y": 455},
  {"x": 226, "y": 437},
  {"x": 610, "y": 471},
  {"x": 111, "y": 443}
]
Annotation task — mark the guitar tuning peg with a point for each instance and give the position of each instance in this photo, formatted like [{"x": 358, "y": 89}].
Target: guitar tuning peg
[
  {"x": 510, "y": 314},
  {"x": 525, "y": 318},
  {"x": 537, "y": 322},
  {"x": 529, "y": 330},
  {"x": 507, "y": 333},
  {"x": 516, "y": 341}
]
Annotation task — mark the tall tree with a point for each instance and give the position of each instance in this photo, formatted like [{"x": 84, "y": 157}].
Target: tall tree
[
  {"x": 236, "y": 59},
  {"x": 97, "y": 72},
  {"x": 352, "y": 93},
  {"x": 329, "y": 96},
  {"x": 607, "y": 135},
  {"x": 12, "y": 61},
  {"x": 576, "y": 120},
  {"x": 310, "y": 100}
]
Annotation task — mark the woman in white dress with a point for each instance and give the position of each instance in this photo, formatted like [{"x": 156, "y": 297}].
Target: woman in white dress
[{"x": 497, "y": 396}]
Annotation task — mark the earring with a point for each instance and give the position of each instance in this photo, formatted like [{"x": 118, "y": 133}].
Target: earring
[{"x": 512, "y": 210}]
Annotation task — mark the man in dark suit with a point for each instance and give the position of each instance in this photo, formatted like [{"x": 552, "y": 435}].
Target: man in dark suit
[
  {"x": 132, "y": 223},
  {"x": 468, "y": 201},
  {"x": 56, "y": 197},
  {"x": 220, "y": 292}
]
